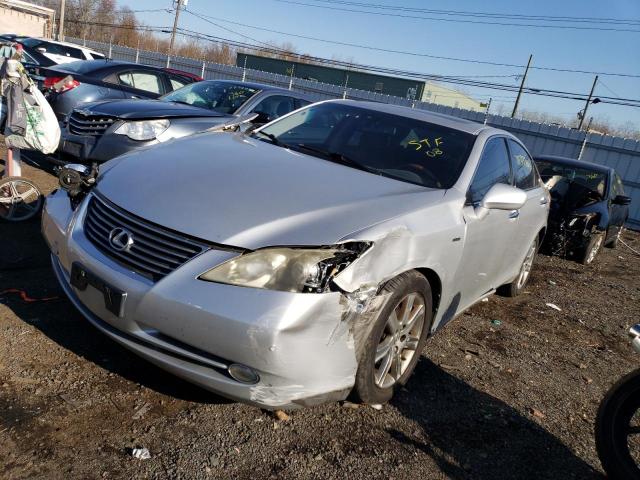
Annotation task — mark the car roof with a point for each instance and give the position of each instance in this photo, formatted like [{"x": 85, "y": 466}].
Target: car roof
[
  {"x": 571, "y": 162},
  {"x": 67, "y": 44},
  {"x": 449, "y": 121},
  {"x": 257, "y": 86}
]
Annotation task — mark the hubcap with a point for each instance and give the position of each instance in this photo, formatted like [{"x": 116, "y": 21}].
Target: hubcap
[
  {"x": 525, "y": 269},
  {"x": 399, "y": 340}
]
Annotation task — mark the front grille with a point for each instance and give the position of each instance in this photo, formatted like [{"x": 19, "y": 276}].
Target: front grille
[
  {"x": 89, "y": 125},
  {"x": 155, "y": 251}
]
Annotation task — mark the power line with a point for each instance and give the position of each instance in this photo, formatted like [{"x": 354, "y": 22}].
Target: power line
[
  {"x": 481, "y": 22},
  {"x": 477, "y": 14},
  {"x": 421, "y": 76},
  {"x": 414, "y": 54}
]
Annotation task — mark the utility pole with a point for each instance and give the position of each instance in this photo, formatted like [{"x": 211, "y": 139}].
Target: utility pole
[
  {"x": 586, "y": 106},
  {"x": 178, "y": 4},
  {"x": 61, "y": 29},
  {"x": 524, "y": 79}
]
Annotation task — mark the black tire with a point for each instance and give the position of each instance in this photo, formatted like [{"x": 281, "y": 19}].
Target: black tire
[
  {"x": 614, "y": 416},
  {"x": 365, "y": 389},
  {"x": 591, "y": 250},
  {"x": 516, "y": 287}
]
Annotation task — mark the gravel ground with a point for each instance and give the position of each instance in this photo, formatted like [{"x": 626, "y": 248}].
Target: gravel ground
[{"x": 508, "y": 390}]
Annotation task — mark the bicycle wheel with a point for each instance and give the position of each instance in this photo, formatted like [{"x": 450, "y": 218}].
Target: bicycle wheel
[{"x": 20, "y": 199}]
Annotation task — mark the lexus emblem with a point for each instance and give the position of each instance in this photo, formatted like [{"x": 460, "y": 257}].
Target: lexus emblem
[{"x": 120, "y": 239}]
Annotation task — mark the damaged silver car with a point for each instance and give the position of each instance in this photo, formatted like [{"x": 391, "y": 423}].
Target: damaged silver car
[{"x": 303, "y": 263}]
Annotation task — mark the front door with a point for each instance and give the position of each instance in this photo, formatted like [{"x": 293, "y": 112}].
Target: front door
[{"x": 489, "y": 241}]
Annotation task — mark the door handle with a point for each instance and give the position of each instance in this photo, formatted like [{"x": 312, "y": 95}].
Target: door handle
[{"x": 514, "y": 213}]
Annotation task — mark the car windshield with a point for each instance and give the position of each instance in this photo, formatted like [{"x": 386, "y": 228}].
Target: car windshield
[
  {"x": 563, "y": 180},
  {"x": 221, "y": 97},
  {"x": 394, "y": 146}
]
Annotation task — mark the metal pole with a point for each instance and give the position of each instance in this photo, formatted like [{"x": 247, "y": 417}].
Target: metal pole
[
  {"x": 204, "y": 65},
  {"x": 173, "y": 33},
  {"x": 584, "y": 142},
  {"x": 244, "y": 69},
  {"x": 486, "y": 112},
  {"x": 524, "y": 79},
  {"x": 293, "y": 69},
  {"x": 586, "y": 106},
  {"x": 61, "y": 30},
  {"x": 346, "y": 82},
  {"x": 138, "y": 50}
]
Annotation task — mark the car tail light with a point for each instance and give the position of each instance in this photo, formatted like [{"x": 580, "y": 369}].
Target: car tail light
[{"x": 61, "y": 84}]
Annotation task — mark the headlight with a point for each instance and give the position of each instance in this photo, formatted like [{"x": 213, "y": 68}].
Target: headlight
[
  {"x": 287, "y": 269},
  {"x": 144, "y": 130}
]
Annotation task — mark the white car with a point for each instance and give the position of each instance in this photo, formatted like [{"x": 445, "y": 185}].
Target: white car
[{"x": 62, "y": 52}]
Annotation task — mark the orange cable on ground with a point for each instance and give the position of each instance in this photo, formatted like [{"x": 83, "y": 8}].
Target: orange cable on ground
[{"x": 26, "y": 298}]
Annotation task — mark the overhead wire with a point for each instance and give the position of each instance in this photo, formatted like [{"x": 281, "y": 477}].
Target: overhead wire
[
  {"x": 414, "y": 54},
  {"x": 481, "y": 22}
]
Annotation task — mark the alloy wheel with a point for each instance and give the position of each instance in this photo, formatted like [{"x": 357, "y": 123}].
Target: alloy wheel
[
  {"x": 19, "y": 199},
  {"x": 399, "y": 341},
  {"x": 525, "y": 269}
]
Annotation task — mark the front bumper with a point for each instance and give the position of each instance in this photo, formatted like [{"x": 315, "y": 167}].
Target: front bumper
[
  {"x": 97, "y": 149},
  {"x": 299, "y": 344}
]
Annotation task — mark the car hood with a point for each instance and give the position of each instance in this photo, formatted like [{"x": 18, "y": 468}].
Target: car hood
[
  {"x": 141, "y": 109},
  {"x": 235, "y": 190}
]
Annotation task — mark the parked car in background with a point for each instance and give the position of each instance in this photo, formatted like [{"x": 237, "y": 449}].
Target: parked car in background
[
  {"x": 61, "y": 52},
  {"x": 72, "y": 84},
  {"x": 588, "y": 206},
  {"x": 101, "y": 131},
  {"x": 306, "y": 261}
]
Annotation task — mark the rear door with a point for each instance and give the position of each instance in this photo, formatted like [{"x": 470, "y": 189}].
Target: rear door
[
  {"x": 533, "y": 215},
  {"x": 489, "y": 241},
  {"x": 141, "y": 83}
]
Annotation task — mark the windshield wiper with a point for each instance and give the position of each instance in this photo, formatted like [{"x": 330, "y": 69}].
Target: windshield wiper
[
  {"x": 338, "y": 158},
  {"x": 181, "y": 101},
  {"x": 273, "y": 138}
]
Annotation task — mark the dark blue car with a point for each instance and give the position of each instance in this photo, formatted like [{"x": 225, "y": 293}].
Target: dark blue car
[{"x": 588, "y": 207}]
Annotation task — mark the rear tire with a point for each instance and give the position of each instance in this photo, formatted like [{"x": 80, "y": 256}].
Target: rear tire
[
  {"x": 397, "y": 339},
  {"x": 588, "y": 255},
  {"x": 611, "y": 430},
  {"x": 516, "y": 287}
]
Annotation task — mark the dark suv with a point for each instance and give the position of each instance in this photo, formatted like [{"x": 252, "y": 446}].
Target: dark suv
[{"x": 71, "y": 84}]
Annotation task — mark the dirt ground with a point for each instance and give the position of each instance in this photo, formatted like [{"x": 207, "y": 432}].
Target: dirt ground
[{"x": 508, "y": 390}]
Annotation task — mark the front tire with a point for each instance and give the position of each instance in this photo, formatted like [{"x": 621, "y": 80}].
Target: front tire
[
  {"x": 396, "y": 340},
  {"x": 588, "y": 255},
  {"x": 613, "y": 428}
]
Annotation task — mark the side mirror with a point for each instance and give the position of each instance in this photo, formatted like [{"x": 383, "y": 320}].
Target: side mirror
[
  {"x": 501, "y": 197},
  {"x": 262, "y": 118},
  {"x": 621, "y": 200}
]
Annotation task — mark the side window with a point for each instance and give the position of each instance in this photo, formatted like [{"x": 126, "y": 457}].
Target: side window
[
  {"x": 177, "y": 82},
  {"x": 146, "y": 81},
  {"x": 524, "y": 172},
  {"x": 276, "y": 106},
  {"x": 302, "y": 103},
  {"x": 493, "y": 168}
]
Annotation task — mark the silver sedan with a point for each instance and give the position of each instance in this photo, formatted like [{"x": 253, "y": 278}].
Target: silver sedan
[{"x": 307, "y": 261}]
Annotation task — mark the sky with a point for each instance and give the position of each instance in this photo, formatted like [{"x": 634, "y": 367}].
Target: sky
[{"x": 592, "y": 50}]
